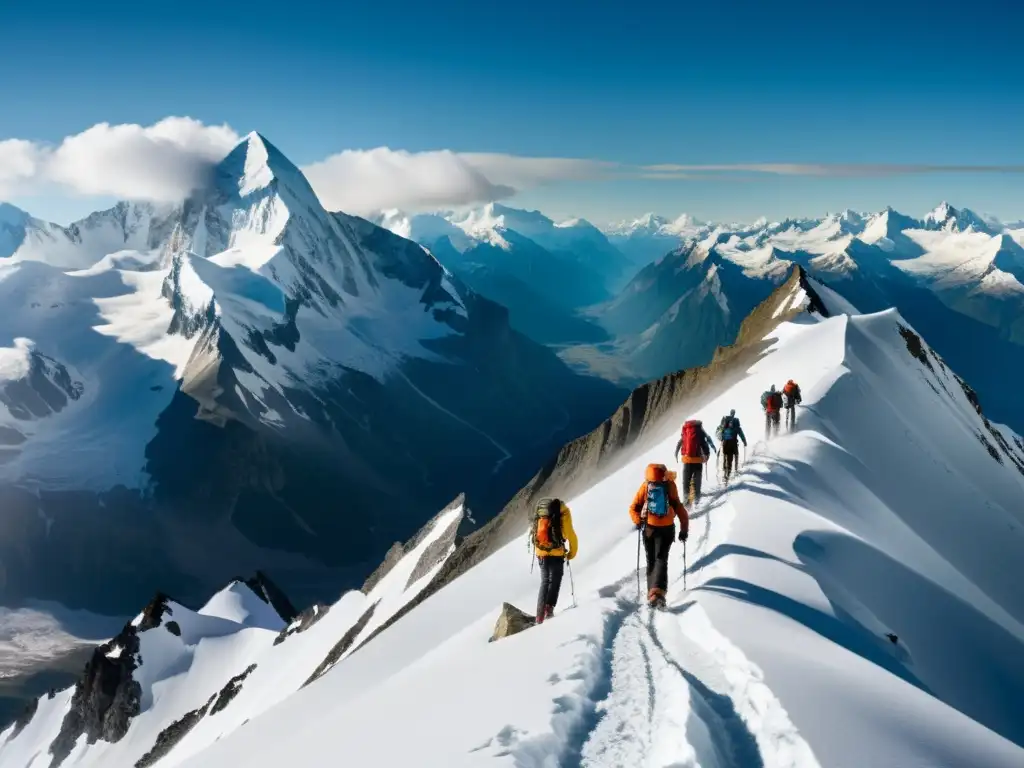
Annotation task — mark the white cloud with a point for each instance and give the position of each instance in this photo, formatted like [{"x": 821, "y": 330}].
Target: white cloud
[
  {"x": 166, "y": 160},
  {"x": 19, "y": 165},
  {"x": 362, "y": 181},
  {"x": 160, "y": 162}
]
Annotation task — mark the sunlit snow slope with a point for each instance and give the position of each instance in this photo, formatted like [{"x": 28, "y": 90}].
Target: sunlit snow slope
[{"x": 894, "y": 510}]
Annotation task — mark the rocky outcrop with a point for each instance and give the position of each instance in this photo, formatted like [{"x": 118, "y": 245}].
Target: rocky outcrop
[
  {"x": 107, "y": 697},
  {"x": 511, "y": 621},
  {"x": 231, "y": 689},
  {"x": 47, "y": 387},
  {"x": 168, "y": 738},
  {"x": 303, "y": 621},
  {"x": 433, "y": 554},
  {"x": 272, "y": 595}
]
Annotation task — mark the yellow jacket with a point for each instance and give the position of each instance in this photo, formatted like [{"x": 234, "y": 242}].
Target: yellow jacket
[{"x": 568, "y": 534}]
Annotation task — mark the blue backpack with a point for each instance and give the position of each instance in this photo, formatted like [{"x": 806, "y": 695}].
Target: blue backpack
[
  {"x": 657, "y": 499},
  {"x": 727, "y": 431}
]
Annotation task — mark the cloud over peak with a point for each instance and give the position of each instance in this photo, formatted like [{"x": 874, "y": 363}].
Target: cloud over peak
[
  {"x": 165, "y": 161},
  {"x": 160, "y": 162}
]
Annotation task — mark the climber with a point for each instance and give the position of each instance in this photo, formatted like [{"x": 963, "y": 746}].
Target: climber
[
  {"x": 729, "y": 432},
  {"x": 654, "y": 510},
  {"x": 771, "y": 402},
  {"x": 696, "y": 446},
  {"x": 550, "y": 533},
  {"x": 791, "y": 397}
]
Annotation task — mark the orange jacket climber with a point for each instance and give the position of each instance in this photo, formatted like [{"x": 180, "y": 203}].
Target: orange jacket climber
[{"x": 658, "y": 476}]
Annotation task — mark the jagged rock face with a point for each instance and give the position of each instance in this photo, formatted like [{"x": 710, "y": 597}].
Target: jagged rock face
[
  {"x": 270, "y": 593},
  {"x": 511, "y": 621},
  {"x": 45, "y": 388},
  {"x": 108, "y": 697}
]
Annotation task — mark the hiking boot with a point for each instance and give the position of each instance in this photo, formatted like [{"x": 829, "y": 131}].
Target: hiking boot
[
  {"x": 539, "y": 619},
  {"x": 549, "y": 611}
]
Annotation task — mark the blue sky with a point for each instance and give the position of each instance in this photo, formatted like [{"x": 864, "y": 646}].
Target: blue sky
[{"x": 636, "y": 83}]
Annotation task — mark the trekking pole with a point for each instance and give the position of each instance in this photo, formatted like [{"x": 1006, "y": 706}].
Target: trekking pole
[
  {"x": 639, "y": 532},
  {"x": 684, "y": 566},
  {"x": 572, "y": 586}
]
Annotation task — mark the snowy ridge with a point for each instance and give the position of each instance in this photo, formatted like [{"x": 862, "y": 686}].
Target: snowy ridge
[
  {"x": 202, "y": 675},
  {"x": 777, "y": 637},
  {"x": 816, "y": 582}
]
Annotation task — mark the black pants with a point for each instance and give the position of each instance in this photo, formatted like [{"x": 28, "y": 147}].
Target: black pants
[
  {"x": 730, "y": 455},
  {"x": 771, "y": 422},
  {"x": 551, "y": 570},
  {"x": 790, "y": 415},
  {"x": 692, "y": 473},
  {"x": 657, "y": 543}
]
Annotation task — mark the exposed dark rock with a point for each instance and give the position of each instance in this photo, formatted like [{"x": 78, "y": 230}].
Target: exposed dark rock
[
  {"x": 107, "y": 696},
  {"x": 511, "y": 621},
  {"x": 271, "y": 594},
  {"x": 396, "y": 553},
  {"x": 342, "y": 645},
  {"x": 45, "y": 389},
  {"x": 440, "y": 547},
  {"x": 230, "y": 690},
  {"x": 105, "y": 699},
  {"x": 990, "y": 448},
  {"x": 892, "y": 638},
  {"x": 153, "y": 613},
  {"x": 433, "y": 553},
  {"x": 915, "y": 348},
  {"x": 173, "y": 628},
  {"x": 168, "y": 738},
  {"x": 303, "y": 621}
]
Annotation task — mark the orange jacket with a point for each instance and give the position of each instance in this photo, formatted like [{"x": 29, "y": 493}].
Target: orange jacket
[{"x": 656, "y": 473}]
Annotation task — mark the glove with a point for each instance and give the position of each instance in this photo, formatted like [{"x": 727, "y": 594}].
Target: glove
[
  {"x": 638, "y": 526},
  {"x": 683, "y": 536}
]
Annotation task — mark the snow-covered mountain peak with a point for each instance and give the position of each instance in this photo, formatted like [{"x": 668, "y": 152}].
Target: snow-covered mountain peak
[
  {"x": 950, "y": 219},
  {"x": 255, "y": 164}
]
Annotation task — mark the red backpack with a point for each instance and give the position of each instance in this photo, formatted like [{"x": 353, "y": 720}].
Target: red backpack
[{"x": 691, "y": 439}]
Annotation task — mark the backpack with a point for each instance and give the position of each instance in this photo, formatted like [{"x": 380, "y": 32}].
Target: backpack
[
  {"x": 657, "y": 499},
  {"x": 546, "y": 531},
  {"x": 727, "y": 430},
  {"x": 692, "y": 439},
  {"x": 776, "y": 400}
]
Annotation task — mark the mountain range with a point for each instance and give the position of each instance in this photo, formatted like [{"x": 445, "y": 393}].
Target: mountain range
[
  {"x": 246, "y": 380},
  {"x": 955, "y": 274}
]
